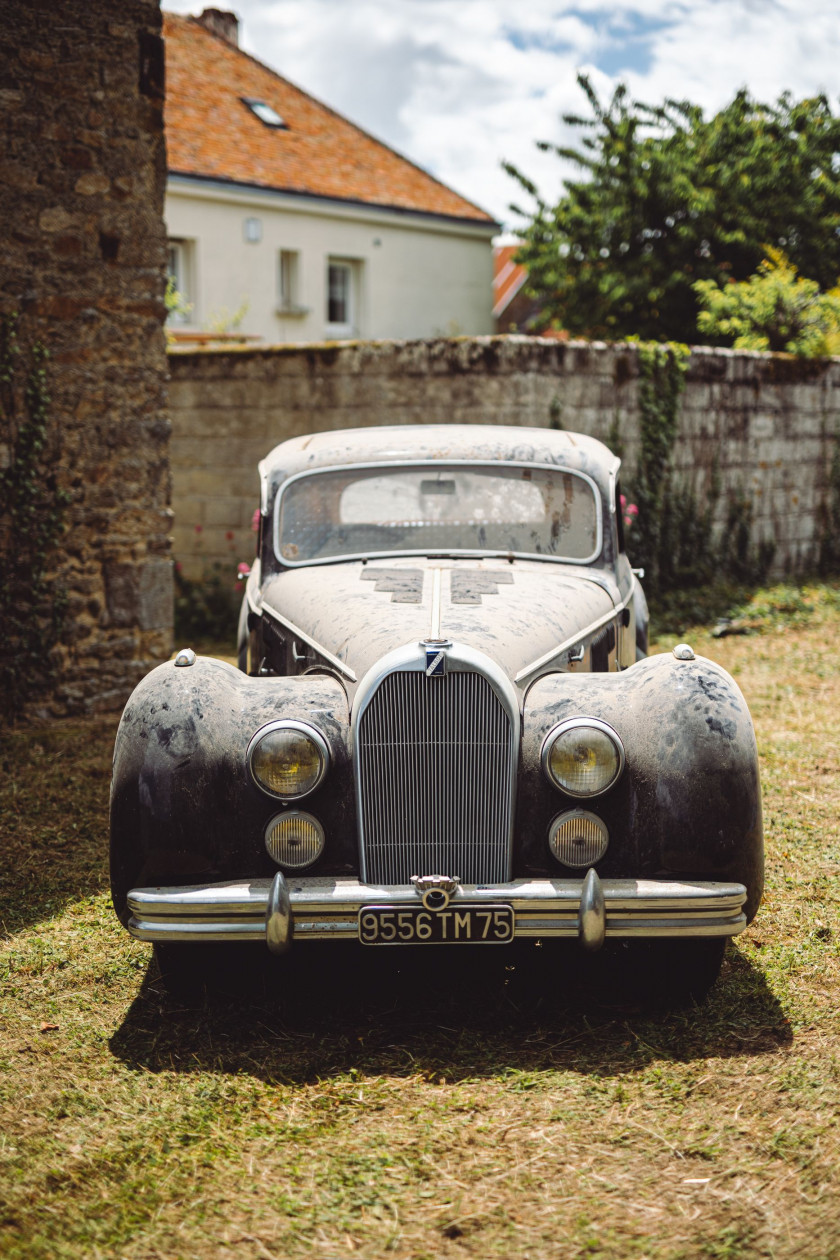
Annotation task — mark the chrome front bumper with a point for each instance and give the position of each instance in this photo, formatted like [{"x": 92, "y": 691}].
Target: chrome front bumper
[{"x": 320, "y": 909}]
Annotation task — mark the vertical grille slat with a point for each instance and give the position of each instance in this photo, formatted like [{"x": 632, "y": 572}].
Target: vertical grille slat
[{"x": 434, "y": 762}]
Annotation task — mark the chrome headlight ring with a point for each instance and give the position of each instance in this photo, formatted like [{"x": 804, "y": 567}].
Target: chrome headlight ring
[
  {"x": 305, "y": 732},
  {"x": 606, "y": 774}
]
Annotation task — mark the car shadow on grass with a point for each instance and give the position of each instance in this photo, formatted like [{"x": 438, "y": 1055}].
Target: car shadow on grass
[{"x": 454, "y": 1014}]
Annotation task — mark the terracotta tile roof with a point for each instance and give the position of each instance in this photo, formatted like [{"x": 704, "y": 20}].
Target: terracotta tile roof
[
  {"x": 508, "y": 277},
  {"x": 210, "y": 133}
]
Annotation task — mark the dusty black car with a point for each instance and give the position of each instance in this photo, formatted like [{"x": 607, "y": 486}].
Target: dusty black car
[{"x": 444, "y": 728}]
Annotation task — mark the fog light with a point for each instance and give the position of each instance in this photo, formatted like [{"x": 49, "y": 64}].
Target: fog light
[
  {"x": 294, "y": 840},
  {"x": 583, "y": 757},
  {"x": 578, "y": 839}
]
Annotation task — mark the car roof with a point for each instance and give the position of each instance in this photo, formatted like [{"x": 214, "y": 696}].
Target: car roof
[{"x": 484, "y": 443}]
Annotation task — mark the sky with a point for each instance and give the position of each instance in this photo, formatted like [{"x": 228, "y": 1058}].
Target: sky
[{"x": 458, "y": 86}]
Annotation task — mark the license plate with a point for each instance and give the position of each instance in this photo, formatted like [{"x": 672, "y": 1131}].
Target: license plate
[{"x": 461, "y": 925}]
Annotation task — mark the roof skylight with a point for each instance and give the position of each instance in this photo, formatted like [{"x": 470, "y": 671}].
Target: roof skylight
[{"x": 265, "y": 113}]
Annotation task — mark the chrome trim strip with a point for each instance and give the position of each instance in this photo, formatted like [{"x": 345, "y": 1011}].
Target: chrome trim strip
[
  {"x": 253, "y": 589},
  {"x": 335, "y": 892},
  {"x": 327, "y": 908},
  {"x": 605, "y": 581},
  {"x": 313, "y": 643},
  {"x": 194, "y": 930},
  {"x": 615, "y": 469},
  {"x": 571, "y": 642},
  {"x": 447, "y": 553},
  {"x": 636, "y": 926},
  {"x": 434, "y": 626},
  {"x": 425, "y": 551}
]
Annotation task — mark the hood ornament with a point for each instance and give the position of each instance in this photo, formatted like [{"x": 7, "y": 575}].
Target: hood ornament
[{"x": 435, "y": 890}]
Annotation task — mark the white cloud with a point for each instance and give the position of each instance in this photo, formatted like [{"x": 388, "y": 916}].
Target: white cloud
[{"x": 458, "y": 85}]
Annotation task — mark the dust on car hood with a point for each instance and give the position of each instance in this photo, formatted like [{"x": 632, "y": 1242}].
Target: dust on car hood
[{"x": 514, "y": 611}]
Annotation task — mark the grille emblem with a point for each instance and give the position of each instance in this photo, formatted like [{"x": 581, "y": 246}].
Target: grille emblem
[{"x": 435, "y": 662}]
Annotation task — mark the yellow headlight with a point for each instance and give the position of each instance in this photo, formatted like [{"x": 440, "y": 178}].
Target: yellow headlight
[
  {"x": 583, "y": 757},
  {"x": 288, "y": 759}
]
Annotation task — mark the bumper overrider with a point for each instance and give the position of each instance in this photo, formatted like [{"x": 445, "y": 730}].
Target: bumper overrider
[{"x": 588, "y": 909}]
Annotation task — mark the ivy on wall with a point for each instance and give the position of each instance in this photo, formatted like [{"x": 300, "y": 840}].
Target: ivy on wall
[
  {"x": 661, "y": 380},
  {"x": 32, "y": 603},
  {"x": 673, "y": 538},
  {"x": 828, "y": 562}
]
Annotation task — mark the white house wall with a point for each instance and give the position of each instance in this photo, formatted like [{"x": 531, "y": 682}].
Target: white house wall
[{"x": 417, "y": 276}]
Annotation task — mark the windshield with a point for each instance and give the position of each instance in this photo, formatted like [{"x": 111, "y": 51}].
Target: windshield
[{"x": 437, "y": 508}]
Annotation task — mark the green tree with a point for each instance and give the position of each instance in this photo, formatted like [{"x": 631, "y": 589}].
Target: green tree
[{"x": 667, "y": 197}]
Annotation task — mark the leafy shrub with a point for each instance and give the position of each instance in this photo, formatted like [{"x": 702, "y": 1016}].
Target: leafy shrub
[
  {"x": 206, "y": 609},
  {"x": 775, "y": 309}
]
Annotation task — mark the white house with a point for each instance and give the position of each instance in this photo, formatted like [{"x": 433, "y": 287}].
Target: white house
[{"x": 288, "y": 223}]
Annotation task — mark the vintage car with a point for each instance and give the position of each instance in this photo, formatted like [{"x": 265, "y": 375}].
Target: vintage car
[{"x": 444, "y": 729}]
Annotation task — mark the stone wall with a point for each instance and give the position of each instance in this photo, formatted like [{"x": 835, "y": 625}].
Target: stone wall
[
  {"x": 81, "y": 95},
  {"x": 764, "y": 423}
]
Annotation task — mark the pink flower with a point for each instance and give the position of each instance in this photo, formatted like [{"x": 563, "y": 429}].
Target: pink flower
[
  {"x": 229, "y": 535},
  {"x": 255, "y": 521},
  {"x": 242, "y": 567},
  {"x": 632, "y": 510},
  {"x": 622, "y": 498},
  {"x": 199, "y": 528}
]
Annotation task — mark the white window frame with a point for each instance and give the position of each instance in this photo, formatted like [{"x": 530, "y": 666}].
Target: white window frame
[
  {"x": 348, "y": 327},
  {"x": 180, "y": 266},
  {"x": 288, "y": 284}
]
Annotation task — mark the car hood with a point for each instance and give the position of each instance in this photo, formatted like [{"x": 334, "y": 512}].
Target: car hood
[{"x": 515, "y": 612}]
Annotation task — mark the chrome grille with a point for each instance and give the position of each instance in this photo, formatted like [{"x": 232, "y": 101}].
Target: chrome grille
[{"x": 434, "y": 764}]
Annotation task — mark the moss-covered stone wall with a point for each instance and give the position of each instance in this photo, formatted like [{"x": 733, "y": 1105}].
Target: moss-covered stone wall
[{"x": 761, "y": 427}]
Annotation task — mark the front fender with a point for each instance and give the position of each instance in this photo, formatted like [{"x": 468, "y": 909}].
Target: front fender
[
  {"x": 688, "y": 804},
  {"x": 184, "y": 808}
]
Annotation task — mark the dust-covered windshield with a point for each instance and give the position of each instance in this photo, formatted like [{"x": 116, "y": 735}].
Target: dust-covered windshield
[{"x": 437, "y": 508}]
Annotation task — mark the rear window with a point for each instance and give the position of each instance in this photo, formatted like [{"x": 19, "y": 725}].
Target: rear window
[{"x": 437, "y": 508}]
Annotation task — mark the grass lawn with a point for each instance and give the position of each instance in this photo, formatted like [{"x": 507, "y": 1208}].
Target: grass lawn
[{"x": 369, "y": 1107}]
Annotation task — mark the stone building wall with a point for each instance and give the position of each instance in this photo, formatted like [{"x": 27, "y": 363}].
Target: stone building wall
[
  {"x": 764, "y": 424},
  {"x": 83, "y": 254}
]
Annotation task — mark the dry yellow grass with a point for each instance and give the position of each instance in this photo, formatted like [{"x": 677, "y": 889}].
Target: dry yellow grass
[{"x": 364, "y": 1110}]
